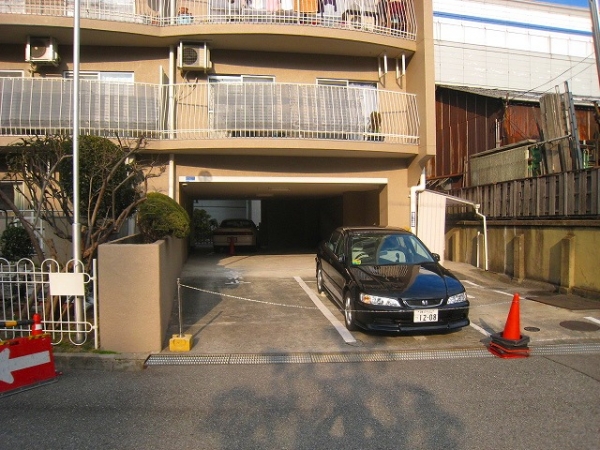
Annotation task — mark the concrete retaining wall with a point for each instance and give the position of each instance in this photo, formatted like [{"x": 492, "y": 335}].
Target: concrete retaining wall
[
  {"x": 137, "y": 284},
  {"x": 564, "y": 253}
]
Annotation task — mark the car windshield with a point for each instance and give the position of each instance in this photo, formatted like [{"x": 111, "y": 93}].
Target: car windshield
[
  {"x": 237, "y": 223},
  {"x": 387, "y": 249}
]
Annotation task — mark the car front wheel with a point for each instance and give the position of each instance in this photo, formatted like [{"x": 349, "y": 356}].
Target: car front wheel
[
  {"x": 349, "y": 313},
  {"x": 320, "y": 288}
]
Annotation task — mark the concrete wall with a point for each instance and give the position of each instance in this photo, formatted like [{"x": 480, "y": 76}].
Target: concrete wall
[
  {"x": 563, "y": 253},
  {"x": 137, "y": 284}
]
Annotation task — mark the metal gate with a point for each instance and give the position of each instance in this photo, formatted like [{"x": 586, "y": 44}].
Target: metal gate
[{"x": 64, "y": 296}]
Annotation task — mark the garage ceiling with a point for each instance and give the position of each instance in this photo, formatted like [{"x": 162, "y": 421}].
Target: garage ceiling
[{"x": 261, "y": 188}]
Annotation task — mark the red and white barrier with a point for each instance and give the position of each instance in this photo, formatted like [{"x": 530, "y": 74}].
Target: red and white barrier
[{"x": 26, "y": 363}]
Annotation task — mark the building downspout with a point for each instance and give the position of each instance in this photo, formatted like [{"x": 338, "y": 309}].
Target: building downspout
[
  {"x": 485, "y": 236},
  {"x": 413, "y": 201}
]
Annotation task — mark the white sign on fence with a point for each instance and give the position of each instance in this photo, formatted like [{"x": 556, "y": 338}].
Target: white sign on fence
[{"x": 66, "y": 284}]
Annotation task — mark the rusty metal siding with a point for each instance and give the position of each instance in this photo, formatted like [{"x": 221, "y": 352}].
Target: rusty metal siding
[{"x": 466, "y": 125}]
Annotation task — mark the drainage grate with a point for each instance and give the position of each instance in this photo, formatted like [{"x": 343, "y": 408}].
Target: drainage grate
[
  {"x": 351, "y": 357},
  {"x": 304, "y": 358}
]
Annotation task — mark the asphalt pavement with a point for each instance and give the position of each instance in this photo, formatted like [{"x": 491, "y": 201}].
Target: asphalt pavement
[{"x": 252, "y": 308}]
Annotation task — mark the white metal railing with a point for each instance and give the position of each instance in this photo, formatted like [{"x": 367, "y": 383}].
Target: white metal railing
[
  {"x": 25, "y": 290},
  {"x": 37, "y": 106},
  {"x": 391, "y": 17}
]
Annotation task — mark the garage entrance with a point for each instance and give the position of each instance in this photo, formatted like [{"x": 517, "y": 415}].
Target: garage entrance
[{"x": 295, "y": 212}]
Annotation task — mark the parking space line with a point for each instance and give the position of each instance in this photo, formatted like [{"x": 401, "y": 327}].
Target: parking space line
[
  {"x": 593, "y": 319},
  {"x": 503, "y": 293},
  {"x": 471, "y": 283},
  {"x": 341, "y": 329},
  {"x": 481, "y": 330}
]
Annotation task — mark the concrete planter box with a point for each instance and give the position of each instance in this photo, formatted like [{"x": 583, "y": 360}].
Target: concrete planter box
[{"x": 137, "y": 284}]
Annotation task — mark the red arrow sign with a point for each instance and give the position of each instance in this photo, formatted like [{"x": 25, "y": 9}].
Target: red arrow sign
[{"x": 25, "y": 362}]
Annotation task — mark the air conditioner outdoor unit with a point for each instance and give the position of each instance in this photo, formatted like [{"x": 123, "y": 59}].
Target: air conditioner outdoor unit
[
  {"x": 42, "y": 50},
  {"x": 194, "y": 56}
]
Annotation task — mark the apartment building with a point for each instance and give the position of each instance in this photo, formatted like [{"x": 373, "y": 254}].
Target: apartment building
[{"x": 322, "y": 110}]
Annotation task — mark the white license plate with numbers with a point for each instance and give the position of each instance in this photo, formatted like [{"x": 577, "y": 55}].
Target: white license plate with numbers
[{"x": 425, "y": 315}]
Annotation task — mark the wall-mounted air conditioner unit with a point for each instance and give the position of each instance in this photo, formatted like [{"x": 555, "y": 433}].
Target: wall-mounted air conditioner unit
[
  {"x": 42, "y": 51},
  {"x": 194, "y": 56}
]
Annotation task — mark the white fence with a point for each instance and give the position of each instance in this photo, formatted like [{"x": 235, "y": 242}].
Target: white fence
[
  {"x": 391, "y": 17},
  {"x": 209, "y": 110},
  {"x": 26, "y": 290}
]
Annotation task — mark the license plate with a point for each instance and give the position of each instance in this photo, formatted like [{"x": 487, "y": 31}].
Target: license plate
[{"x": 425, "y": 315}]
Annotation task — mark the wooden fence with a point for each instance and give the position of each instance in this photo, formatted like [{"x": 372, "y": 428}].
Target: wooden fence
[{"x": 566, "y": 195}]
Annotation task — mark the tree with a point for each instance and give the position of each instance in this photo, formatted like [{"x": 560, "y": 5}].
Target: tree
[
  {"x": 113, "y": 182},
  {"x": 202, "y": 226},
  {"x": 161, "y": 216},
  {"x": 15, "y": 243}
]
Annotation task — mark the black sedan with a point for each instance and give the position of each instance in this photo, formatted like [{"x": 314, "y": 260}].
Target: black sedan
[{"x": 385, "y": 279}]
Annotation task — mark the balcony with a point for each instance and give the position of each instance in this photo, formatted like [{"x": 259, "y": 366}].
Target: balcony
[
  {"x": 210, "y": 111},
  {"x": 384, "y": 17}
]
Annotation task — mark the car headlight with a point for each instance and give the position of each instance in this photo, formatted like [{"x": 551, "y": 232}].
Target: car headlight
[
  {"x": 457, "y": 298},
  {"x": 378, "y": 301}
]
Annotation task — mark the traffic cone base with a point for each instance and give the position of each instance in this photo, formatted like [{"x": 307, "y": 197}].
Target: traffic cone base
[{"x": 503, "y": 352}]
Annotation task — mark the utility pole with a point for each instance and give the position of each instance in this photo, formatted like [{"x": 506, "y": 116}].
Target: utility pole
[{"x": 595, "y": 34}]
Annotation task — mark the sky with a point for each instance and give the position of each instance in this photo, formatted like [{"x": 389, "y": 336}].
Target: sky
[{"x": 581, "y": 3}]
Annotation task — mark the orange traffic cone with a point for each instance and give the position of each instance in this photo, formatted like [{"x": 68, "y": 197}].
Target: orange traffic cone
[
  {"x": 512, "y": 328},
  {"x": 36, "y": 328},
  {"x": 510, "y": 343}
]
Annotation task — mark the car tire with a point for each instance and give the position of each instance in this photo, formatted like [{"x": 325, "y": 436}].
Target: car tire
[
  {"x": 349, "y": 312},
  {"x": 320, "y": 287}
]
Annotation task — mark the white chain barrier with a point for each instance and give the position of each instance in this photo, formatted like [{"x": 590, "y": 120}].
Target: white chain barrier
[{"x": 235, "y": 297}]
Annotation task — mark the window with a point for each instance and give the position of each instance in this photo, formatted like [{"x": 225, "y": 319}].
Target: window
[
  {"x": 111, "y": 100},
  {"x": 344, "y": 108},
  {"x": 10, "y": 189},
  {"x": 244, "y": 105},
  {"x": 11, "y": 73}
]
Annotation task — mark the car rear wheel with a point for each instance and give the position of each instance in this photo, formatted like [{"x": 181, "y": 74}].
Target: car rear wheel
[
  {"x": 320, "y": 288},
  {"x": 349, "y": 312}
]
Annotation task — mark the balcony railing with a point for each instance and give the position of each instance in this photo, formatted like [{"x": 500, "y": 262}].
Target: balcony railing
[
  {"x": 37, "y": 106},
  {"x": 390, "y": 17}
]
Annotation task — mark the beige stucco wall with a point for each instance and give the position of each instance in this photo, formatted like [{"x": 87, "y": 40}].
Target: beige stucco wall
[
  {"x": 137, "y": 284},
  {"x": 562, "y": 254}
]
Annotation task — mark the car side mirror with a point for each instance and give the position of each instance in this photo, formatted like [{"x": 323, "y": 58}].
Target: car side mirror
[{"x": 436, "y": 257}]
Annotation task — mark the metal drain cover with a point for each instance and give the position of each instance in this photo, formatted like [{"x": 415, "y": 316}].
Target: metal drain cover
[{"x": 578, "y": 325}]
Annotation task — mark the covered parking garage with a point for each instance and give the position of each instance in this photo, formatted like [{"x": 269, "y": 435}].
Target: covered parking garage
[{"x": 295, "y": 212}]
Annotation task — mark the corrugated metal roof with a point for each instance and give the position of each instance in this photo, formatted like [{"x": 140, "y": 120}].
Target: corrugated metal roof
[{"x": 522, "y": 96}]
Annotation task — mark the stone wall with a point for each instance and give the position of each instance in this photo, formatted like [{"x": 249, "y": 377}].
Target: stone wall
[{"x": 564, "y": 253}]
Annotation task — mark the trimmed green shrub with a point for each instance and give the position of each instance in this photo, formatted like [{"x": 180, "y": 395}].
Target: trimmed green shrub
[
  {"x": 202, "y": 226},
  {"x": 15, "y": 243},
  {"x": 160, "y": 216}
]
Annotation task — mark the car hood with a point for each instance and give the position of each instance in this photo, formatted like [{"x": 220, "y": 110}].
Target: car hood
[{"x": 407, "y": 281}]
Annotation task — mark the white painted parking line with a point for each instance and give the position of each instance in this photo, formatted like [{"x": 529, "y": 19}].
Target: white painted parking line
[
  {"x": 481, "y": 330},
  {"x": 593, "y": 319},
  {"x": 471, "y": 283},
  {"x": 503, "y": 293},
  {"x": 341, "y": 329}
]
